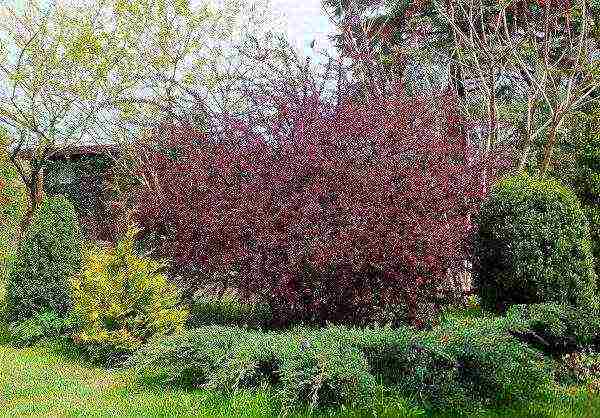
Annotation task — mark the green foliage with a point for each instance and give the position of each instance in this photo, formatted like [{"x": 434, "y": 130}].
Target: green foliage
[
  {"x": 12, "y": 200},
  {"x": 47, "y": 383},
  {"x": 229, "y": 309},
  {"x": 324, "y": 373},
  {"x": 4, "y": 328},
  {"x": 254, "y": 362},
  {"x": 587, "y": 187},
  {"x": 3, "y": 319},
  {"x": 494, "y": 368},
  {"x": 12, "y": 206},
  {"x": 42, "y": 325},
  {"x": 408, "y": 363},
  {"x": 533, "y": 246},
  {"x": 578, "y": 368},
  {"x": 48, "y": 255},
  {"x": 461, "y": 367},
  {"x": 187, "y": 358},
  {"x": 76, "y": 388},
  {"x": 82, "y": 181},
  {"x": 578, "y": 165},
  {"x": 472, "y": 310},
  {"x": 121, "y": 300},
  {"x": 556, "y": 328},
  {"x": 304, "y": 370}
]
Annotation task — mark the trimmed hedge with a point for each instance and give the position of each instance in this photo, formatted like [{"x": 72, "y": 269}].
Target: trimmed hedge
[
  {"x": 533, "y": 246},
  {"x": 48, "y": 255}
]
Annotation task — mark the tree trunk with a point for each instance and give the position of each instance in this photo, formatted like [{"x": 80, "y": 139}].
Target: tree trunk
[
  {"x": 35, "y": 195},
  {"x": 549, "y": 147},
  {"x": 528, "y": 140}
]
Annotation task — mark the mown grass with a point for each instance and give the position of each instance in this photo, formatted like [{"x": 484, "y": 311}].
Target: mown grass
[
  {"x": 41, "y": 381},
  {"x": 38, "y": 381}
]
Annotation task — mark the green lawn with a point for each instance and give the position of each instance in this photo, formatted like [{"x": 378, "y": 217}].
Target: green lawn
[{"x": 39, "y": 381}]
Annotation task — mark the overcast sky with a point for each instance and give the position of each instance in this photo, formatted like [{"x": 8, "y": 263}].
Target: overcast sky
[{"x": 304, "y": 19}]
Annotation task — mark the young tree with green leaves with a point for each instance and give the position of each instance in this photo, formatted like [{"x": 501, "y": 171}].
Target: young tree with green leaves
[
  {"x": 51, "y": 67},
  {"x": 102, "y": 71}
]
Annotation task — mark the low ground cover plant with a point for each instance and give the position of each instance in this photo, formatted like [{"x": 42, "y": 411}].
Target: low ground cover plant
[
  {"x": 79, "y": 388},
  {"x": 494, "y": 366},
  {"x": 461, "y": 367}
]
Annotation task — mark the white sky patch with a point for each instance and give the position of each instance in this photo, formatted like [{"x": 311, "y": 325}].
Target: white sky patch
[{"x": 305, "y": 19}]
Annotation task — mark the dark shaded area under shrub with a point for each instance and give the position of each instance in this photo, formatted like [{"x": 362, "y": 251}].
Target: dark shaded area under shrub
[{"x": 556, "y": 329}]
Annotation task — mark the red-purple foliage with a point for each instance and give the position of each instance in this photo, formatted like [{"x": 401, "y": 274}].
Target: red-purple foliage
[{"x": 337, "y": 210}]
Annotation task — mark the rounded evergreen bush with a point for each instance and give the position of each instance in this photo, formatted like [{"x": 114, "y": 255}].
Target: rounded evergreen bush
[
  {"x": 47, "y": 256},
  {"x": 533, "y": 246}
]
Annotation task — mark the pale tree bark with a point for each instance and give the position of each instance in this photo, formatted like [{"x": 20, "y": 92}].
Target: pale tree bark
[{"x": 571, "y": 68}]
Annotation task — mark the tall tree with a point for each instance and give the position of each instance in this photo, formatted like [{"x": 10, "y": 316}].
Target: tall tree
[
  {"x": 109, "y": 71},
  {"x": 387, "y": 30},
  {"x": 542, "y": 53},
  {"x": 51, "y": 67}
]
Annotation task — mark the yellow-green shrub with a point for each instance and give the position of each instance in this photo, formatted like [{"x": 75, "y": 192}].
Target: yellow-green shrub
[{"x": 121, "y": 300}]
